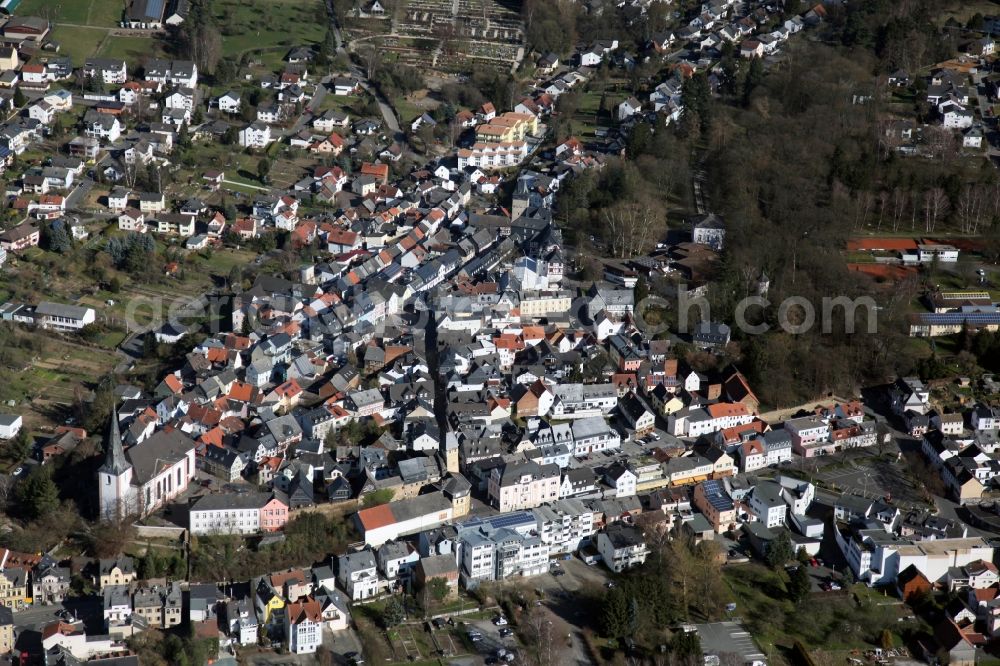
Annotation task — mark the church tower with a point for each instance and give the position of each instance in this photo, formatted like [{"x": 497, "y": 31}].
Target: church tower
[
  {"x": 449, "y": 450},
  {"x": 115, "y": 475}
]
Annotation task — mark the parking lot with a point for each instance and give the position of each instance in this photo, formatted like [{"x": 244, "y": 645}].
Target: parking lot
[
  {"x": 822, "y": 578},
  {"x": 485, "y": 636},
  {"x": 554, "y": 603},
  {"x": 863, "y": 473}
]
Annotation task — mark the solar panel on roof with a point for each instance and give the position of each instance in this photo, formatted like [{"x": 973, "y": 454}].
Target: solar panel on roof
[
  {"x": 154, "y": 9},
  {"x": 500, "y": 522},
  {"x": 962, "y": 295},
  {"x": 961, "y": 317}
]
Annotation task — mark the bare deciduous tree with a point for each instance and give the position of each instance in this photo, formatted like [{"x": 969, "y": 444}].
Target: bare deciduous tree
[
  {"x": 631, "y": 226},
  {"x": 863, "y": 202},
  {"x": 371, "y": 56},
  {"x": 936, "y": 206},
  {"x": 899, "y": 204},
  {"x": 883, "y": 199},
  {"x": 969, "y": 208}
]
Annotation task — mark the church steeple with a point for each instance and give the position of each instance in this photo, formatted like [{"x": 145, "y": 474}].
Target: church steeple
[{"x": 115, "y": 463}]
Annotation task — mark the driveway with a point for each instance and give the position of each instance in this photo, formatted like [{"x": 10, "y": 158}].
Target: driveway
[
  {"x": 79, "y": 193},
  {"x": 341, "y": 643}
]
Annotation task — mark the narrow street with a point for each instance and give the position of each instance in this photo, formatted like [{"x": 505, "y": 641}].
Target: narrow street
[{"x": 388, "y": 113}]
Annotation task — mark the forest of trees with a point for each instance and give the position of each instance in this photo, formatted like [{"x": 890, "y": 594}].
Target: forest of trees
[{"x": 796, "y": 167}]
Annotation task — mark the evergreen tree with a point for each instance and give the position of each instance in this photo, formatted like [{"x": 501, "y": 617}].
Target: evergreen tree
[
  {"x": 20, "y": 446},
  {"x": 615, "y": 614},
  {"x": 697, "y": 96},
  {"x": 263, "y": 169},
  {"x": 56, "y": 237},
  {"x": 779, "y": 551},
  {"x": 393, "y": 613},
  {"x": 799, "y": 585},
  {"x": 685, "y": 645},
  {"x": 150, "y": 348},
  {"x": 37, "y": 495},
  {"x": 235, "y": 277},
  {"x": 641, "y": 290},
  {"x": 328, "y": 48},
  {"x": 754, "y": 77}
]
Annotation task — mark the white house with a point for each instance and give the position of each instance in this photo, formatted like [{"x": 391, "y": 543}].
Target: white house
[
  {"x": 237, "y": 513},
  {"x": 972, "y": 137},
  {"x": 118, "y": 199},
  {"x": 10, "y": 425},
  {"x": 622, "y": 479},
  {"x": 111, "y": 71},
  {"x": 767, "y": 504},
  {"x": 256, "y": 135},
  {"x": 985, "y": 417},
  {"x": 876, "y": 557},
  {"x": 357, "y": 574},
  {"x": 63, "y": 317},
  {"x": 621, "y": 547},
  {"x": 229, "y": 102},
  {"x": 42, "y": 112},
  {"x": 955, "y": 117},
  {"x": 629, "y": 108},
  {"x": 591, "y": 58},
  {"x": 183, "y": 99},
  {"x": 305, "y": 626}
]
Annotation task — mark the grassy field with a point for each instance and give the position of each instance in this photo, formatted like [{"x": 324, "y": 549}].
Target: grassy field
[
  {"x": 248, "y": 25},
  {"x": 853, "y": 619},
  {"x": 49, "y": 384},
  {"x": 586, "y": 120},
  {"x": 406, "y": 111},
  {"x": 132, "y": 49},
  {"x": 103, "y": 13},
  {"x": 78, "y": 43},
  {"x": 963, "y": 11}
]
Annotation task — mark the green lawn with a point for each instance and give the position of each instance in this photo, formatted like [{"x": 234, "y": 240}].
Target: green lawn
[
  {"x": 406, "y": 111},
  {"x": 78, "y": 43},
  {"x": 106, "y": 13},
  {"x": 248, "y": 25},
  {"x": 228, "y": 159},
  {"x": 586, "y": 119},
  {"x": 131, "y": 49}
]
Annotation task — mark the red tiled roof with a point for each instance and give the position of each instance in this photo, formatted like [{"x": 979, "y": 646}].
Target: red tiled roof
[
  {"x": 881, "y": 244},
  {"x": 376, "y": 517},
  {"x": 726, "y": 409}
]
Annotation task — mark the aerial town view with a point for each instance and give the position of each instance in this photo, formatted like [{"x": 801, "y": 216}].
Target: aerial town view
[{"x": 462, "y": 332}]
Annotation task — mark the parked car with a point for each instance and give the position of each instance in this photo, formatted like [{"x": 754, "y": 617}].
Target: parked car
[
  {"x": 505, "y": 632},
  {"x": 500, "y": 621}
]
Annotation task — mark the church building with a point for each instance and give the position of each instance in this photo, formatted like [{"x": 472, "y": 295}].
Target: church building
[{"x": 139, "y": 481}]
